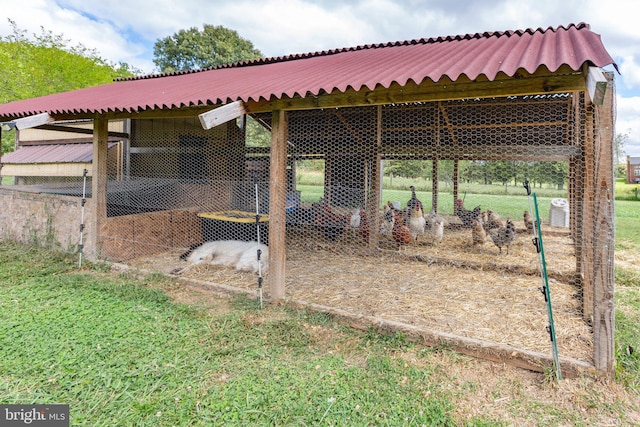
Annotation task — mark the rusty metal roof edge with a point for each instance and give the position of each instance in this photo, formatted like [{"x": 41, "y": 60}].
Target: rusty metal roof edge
[{"x": 298, "y": 56}]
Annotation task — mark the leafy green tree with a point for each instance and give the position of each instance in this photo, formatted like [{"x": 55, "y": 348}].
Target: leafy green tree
[
  {"x": 407, "y": 168},
  {"x": 45, "y": 64},
  {"x": 194, "y": 49},
  {"x": 619, "y": 153}
]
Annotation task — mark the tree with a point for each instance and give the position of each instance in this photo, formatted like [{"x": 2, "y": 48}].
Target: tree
[
  {"x": 45, "y": 64},
  {"x": 194, "y": 49},
  {"x": 618, "y": 153},
  {"x": 406, "y": 168}
]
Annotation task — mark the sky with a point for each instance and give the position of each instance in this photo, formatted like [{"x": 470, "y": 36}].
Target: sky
[{"x": 126, "y": 31}]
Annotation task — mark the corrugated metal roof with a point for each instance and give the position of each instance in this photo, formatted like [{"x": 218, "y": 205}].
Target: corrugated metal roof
[
  {"x": 482, "y": 54},
  {"x": 54, "y": 153}
]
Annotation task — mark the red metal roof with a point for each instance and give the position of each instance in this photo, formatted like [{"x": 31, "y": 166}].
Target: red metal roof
[
  {"x": 53, "y": 153},
  {"x": 472, "y": 55}
]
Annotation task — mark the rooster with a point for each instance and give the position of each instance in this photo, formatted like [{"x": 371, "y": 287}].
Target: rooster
[
  {"x": 416, "y": 221},
  {"x": 465, "y": 215},
  {"x": 478, "y": 233},
  {"x": 330, "y": 224},
  {"x": 401, "y": 232},
  {"x": 503, "y": 236},
  {"x": 528, "y": 222},
  {"x": 413, "y": 201}
]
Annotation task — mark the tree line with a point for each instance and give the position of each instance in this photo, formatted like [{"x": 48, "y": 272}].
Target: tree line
[{"x": 483, "y": 172}]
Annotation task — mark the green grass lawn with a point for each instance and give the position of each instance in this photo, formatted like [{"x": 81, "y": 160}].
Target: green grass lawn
[{"x": 120, "y": 351}]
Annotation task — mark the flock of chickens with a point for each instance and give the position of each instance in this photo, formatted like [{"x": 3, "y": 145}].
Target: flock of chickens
[{"x": 406, "y": 226}]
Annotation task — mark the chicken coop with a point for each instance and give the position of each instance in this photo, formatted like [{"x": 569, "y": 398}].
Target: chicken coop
[{"x": 387, "y": 181}]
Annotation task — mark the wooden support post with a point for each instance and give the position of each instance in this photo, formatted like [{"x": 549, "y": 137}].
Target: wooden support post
[
  {"x": 603, "y": 251},
  {"x": 434, "y": 185},
  {"x": 373, "y": 198},
  {"x": 456, "y": 177},
  {"x": 277, "y": 201},
  {"x": 98, "y": 182},
  {"x": 577, "y": 165},
  {"x": 589, "y": 232}
]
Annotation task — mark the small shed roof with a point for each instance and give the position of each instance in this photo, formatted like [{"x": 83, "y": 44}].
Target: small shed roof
[
  {"x": 51, "y": 153},
  {"x": 488, "y": 54}
]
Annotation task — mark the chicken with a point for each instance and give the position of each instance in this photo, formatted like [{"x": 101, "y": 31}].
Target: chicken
[
  {"x": 401, "y": 232},
  {"x": 330, "y": 224},
  {"x": 528, "y": 222},
  {"x": 363, "y": 228},
  {"x": 386, "y": 226},
  {"x": 493, "y": 220},
  {"x": 465, "y": 215},
  {"x": 436, "y": 232},
  {"x": 503, "y": 236},
  {"x": 478, "y": 233},
  {"x": 355, "y": 218},
  {"x": 416, "y": 221},
  {"x": 432, "y": 216},
  {"x": 413, "y": 201}
]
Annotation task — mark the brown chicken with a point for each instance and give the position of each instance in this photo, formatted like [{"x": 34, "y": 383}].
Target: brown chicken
[
  {"x": 363, "y": 229},
  {"x": 504, "y": 236},
  {"x": 478, "y": 233},
  {"x": 528, "y": 222},
  {"x": 401, "y": 232}
]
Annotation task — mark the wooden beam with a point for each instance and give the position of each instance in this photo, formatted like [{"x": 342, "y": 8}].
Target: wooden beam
[
  {"x": 596, "y": 85},
  {"x": 427, "y": 91},
  {"x": 98, "y": 204},
  {"x": 33, "y": 121},
  {"x": 71, "y": 129},
  {"x": 372, "y": 197},
  {"x": 223, "y": 114},
  {"x": 526, "y": 359},
  {"x": 277, "y": 202},
  {"x": 603, "y": 256}
]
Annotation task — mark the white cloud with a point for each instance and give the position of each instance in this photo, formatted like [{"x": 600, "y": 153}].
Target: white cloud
[
  {"x": 628, "y": 122},
  {"x": 127, "y": 30}
]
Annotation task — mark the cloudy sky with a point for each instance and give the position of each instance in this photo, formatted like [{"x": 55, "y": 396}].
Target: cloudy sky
[{"x": 127, "y": 30}]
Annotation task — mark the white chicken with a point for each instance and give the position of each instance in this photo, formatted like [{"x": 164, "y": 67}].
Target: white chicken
[
  {"x": 432, "y": 216},
  {"x": 416, "y": 221},
  {"x": 436, "y": 232}
]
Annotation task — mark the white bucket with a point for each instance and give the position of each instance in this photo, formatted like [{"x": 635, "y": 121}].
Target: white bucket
[{"x": 559, "y": 213}]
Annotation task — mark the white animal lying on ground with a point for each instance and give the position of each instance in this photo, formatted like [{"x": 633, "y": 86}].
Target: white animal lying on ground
[{"x": 242, "y": 256}]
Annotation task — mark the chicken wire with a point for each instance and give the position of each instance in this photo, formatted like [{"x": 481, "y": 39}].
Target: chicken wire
[{"x": 351, "y": 219}]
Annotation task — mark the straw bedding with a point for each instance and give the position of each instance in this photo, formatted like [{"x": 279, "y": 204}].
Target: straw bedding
[{"x": 457, "y": 288}]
